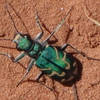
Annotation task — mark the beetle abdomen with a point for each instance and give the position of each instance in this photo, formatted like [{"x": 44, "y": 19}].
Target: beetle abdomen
[{"x": 56, "y": 64}]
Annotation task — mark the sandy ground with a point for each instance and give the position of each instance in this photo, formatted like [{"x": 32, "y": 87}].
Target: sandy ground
[{"x": 77, "y": 30}]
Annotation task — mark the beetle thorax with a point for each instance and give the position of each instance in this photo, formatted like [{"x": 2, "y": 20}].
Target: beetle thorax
[{"x": 35, "y": 50}]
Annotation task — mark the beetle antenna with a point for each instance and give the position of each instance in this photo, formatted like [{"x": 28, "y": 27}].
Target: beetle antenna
[
  {"x": 58, "y": 27},
  {"x": 6, "y": 7}
]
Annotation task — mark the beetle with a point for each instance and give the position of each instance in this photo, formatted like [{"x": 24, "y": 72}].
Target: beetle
[{"x": 51, "y": 60}]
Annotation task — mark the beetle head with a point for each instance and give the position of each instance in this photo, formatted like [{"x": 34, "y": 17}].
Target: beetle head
[{"x": 23, "y": 42}]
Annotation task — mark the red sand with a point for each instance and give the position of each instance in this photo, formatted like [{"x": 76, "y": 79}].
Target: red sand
[{"x": 85, "y": 36}]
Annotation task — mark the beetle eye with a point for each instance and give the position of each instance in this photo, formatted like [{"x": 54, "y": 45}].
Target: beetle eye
[
  {"x": 25, "y": 36},
  {"x": 17, "y": 38}
]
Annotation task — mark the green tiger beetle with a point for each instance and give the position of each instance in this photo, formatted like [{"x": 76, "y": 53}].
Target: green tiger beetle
[{"x": 51, "y": 60}]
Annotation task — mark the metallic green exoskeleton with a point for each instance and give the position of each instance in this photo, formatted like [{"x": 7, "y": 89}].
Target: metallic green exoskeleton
[{"x": 52, "y": 61}]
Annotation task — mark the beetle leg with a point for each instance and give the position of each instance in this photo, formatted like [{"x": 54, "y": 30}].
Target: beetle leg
[
  {"x": 75, "y": 92},
  {"x": 79, "y": 52},
  {"x": 27, "y": 70},
  {"x": 64, "y": 47},
  {"x": 12, "y": 58},
  {"x": 57, "y": 27},
  {"x": 38, "y": 37},
  {"x": 19, "y": 57},
  {"x": 39, "y": 76}
]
